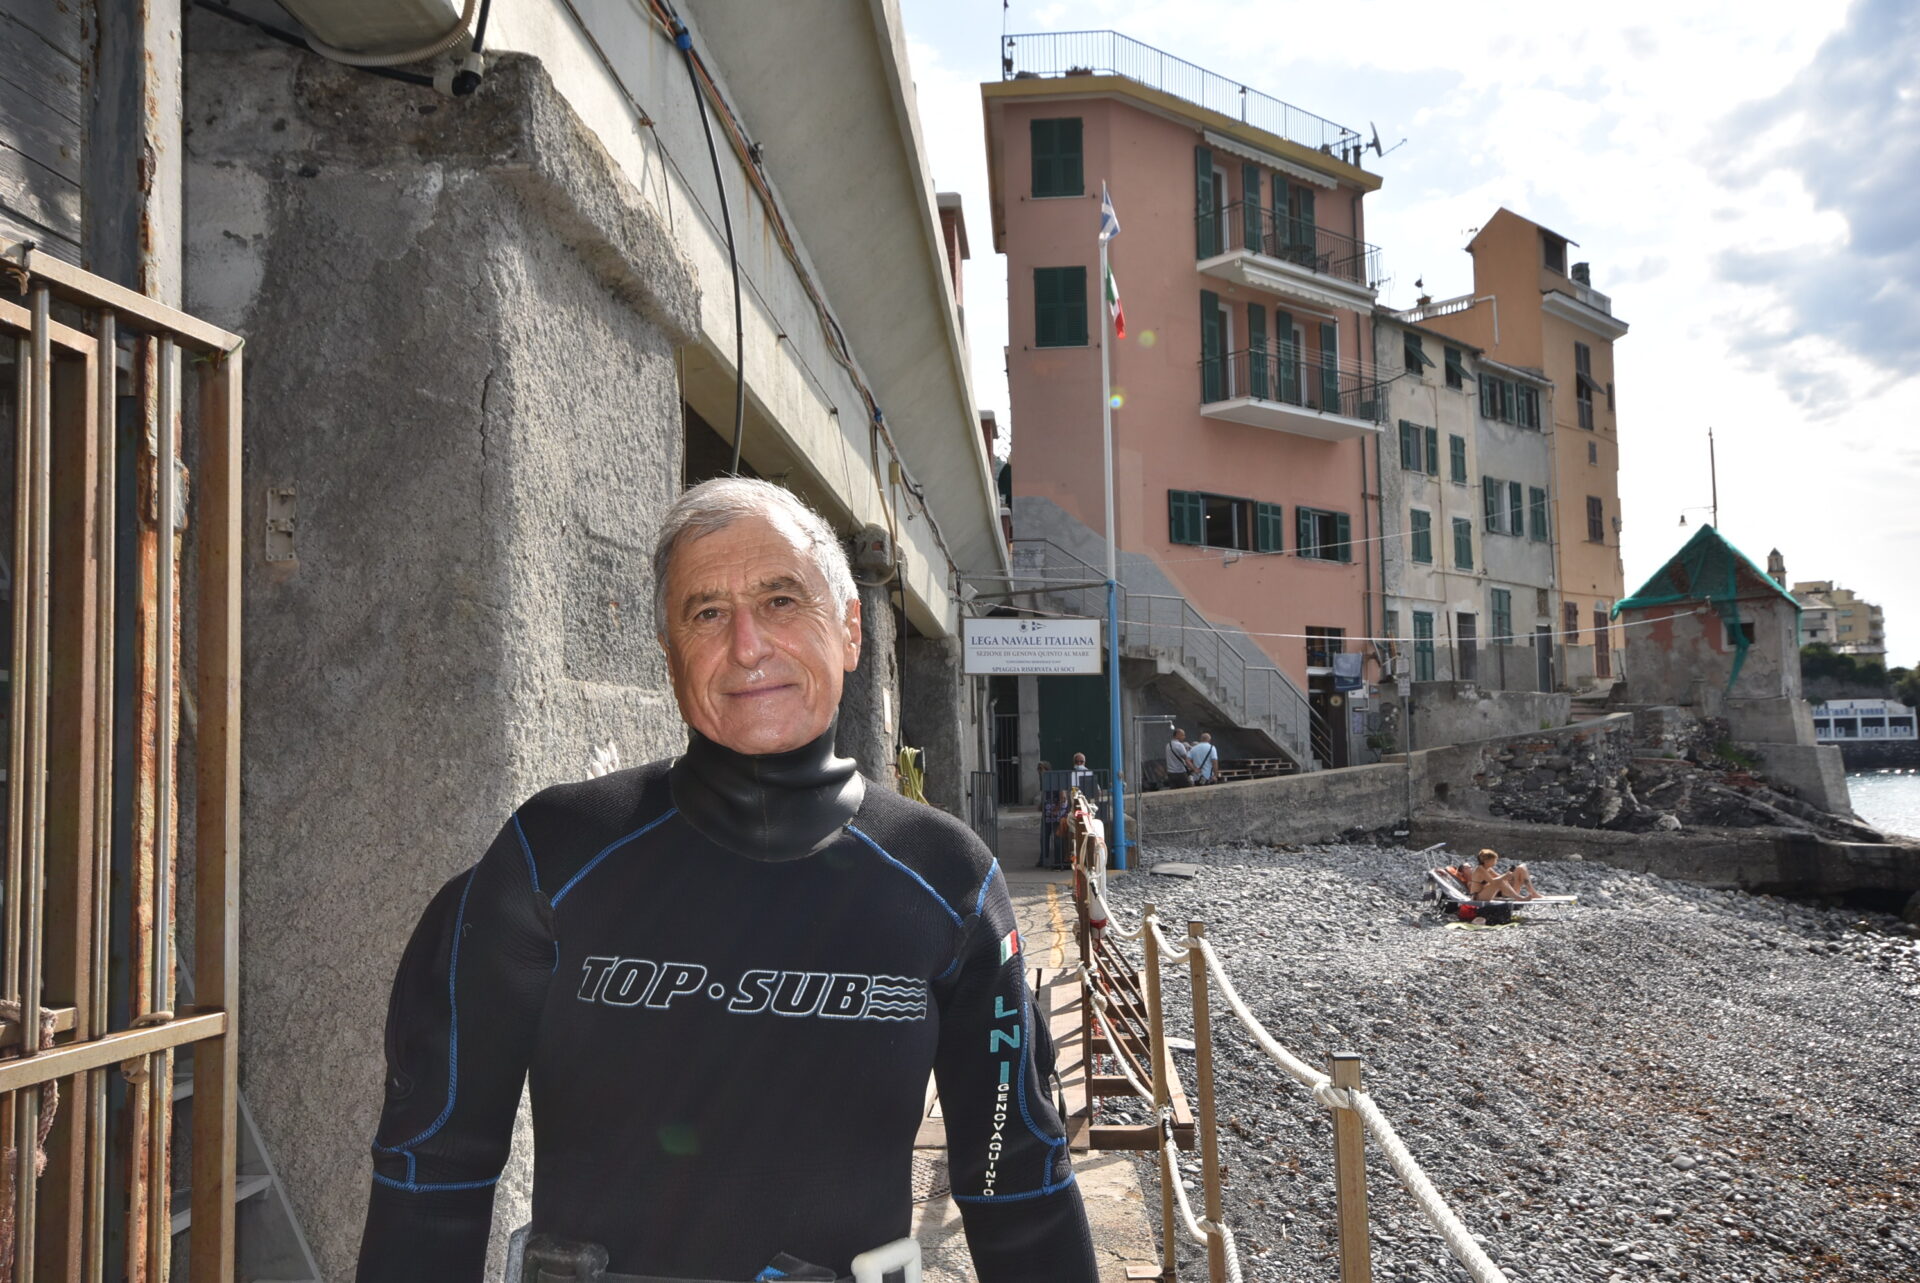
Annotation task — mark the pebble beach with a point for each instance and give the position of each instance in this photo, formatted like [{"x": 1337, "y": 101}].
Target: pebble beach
[{"x": 1671, "y": 1082}]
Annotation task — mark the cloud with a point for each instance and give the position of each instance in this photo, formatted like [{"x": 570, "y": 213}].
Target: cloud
[{"x": 1847, "y": 131}]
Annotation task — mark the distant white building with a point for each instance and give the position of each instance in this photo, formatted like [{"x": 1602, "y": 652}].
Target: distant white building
[{"x": 1846, "y": 721}]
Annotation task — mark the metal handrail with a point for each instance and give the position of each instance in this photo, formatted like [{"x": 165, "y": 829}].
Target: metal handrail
[
  {"x": 1273, "y": 233},
  {"x": 1254, "y": 692},
  {"x": 1287, "y": 373},
  {"x": 1108, "y": 53}
]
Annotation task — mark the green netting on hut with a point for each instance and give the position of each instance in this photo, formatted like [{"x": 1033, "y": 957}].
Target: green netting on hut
[{"x": 1708, "y": 570}]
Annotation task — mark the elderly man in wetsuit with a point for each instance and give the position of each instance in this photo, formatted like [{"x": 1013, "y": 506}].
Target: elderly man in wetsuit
[{"x": 726, "y": 978}]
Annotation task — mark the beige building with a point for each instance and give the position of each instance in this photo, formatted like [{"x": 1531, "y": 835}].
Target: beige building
[
  {"x": 1533, "y": 309},
  {"x": 1833, "y": 616}
]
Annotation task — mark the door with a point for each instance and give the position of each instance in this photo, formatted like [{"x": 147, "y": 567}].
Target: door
[
  {"x": 1602, "y": 646},
  {"x": 1466, "y": 633},
  {"x": 1543, "y": 655}
]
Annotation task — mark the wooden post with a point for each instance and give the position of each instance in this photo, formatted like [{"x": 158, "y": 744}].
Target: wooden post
[
  {"x": 1350, "y": 1174},
  {"x": 1208, "y": 1121},
  {"x": 1156, "y": 1049},
  {"x": 216, "y": 1062}
]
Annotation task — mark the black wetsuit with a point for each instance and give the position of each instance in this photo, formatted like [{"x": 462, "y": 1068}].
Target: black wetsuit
[{"x": 728, "y": 979}]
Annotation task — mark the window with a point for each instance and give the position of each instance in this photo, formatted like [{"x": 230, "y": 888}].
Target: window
[
  {"x": 1583, "y": 385},
  {"x": 1593, "y": 452},
  {"x": 1516, "y": 508},
  {"x": 1228, "y": 522},
  {"x": 1570, "y": 615},
  {"x": 1509, "y": 401},
  {"x": 1744, "y": 632},
  {"x": 1222, "y": 521},
  {"x": 1462, "y": 543},
  {"x": 1596, "y": 521},
  {"x": 1056, "y": 157},
  {"x": 1266, "y": 527},
  {"x": 1502, "y": 617},
  {"x": 1422, "y": 646},
  {"x": 1536, "y": 513},
  {"x": 1323, "y": 644},
  {"x": 1456, "y": 372},
  {"x": 1457, "y": 459},
  {"x": 1466, "y": 639},
  {"x": 1324, "y": 536},
  {"x": 1553, "y": 252},
  {"x": 1416, "y": 358},
  {"x": 1419, "y": 448},
  {"x": 1059, "y": 307},
  {"x": 1491, "y": 509},
  {"x": 1421, "y": 524}
]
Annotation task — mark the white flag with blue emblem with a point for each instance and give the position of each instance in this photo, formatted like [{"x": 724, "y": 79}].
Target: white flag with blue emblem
[{"x": 1109, "y": 221}]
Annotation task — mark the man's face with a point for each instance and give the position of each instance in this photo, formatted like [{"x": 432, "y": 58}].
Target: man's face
[{"x": 755, "y": 647}]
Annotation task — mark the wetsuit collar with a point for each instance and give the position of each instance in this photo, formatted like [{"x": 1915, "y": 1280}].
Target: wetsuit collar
[{"x": 775, "y": 806}]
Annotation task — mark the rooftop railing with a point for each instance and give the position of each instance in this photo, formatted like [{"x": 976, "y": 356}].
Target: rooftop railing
[{"x": 1108, "y": 53}]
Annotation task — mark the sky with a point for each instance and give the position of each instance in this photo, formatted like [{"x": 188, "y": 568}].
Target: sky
[{"x": 1744, "y": 178}]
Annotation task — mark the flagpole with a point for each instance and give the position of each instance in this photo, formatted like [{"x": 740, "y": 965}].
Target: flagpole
[{"x": 1113, "y": 577}]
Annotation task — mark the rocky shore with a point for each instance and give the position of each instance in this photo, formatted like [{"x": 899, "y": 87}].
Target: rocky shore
[{"x": 1671, "y": 1083}]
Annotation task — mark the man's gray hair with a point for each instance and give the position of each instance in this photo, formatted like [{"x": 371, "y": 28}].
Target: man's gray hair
[{"x": 717, "y": 504}]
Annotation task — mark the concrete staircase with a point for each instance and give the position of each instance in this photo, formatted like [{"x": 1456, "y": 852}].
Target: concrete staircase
[{"x": 1233, "y": 680}]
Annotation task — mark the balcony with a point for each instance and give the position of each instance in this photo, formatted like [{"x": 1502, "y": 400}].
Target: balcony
[
  {"x": 1581, "y": 304},
  {"x": 1108, "y": 53},
  {"x": 1283, "y": 389},
  {"x": 1264, "y": 249}
]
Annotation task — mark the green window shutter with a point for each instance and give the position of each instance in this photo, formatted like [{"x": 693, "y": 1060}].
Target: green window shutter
[
  {"x": 1289, "y": 352},
  {"x": 1457, "y": 458},
  {"x": 1213, "y": 365},
  {"x": 1329, "y": 368},
  {"x": 1303, "y": 533},
  {"x": 1409, "y": 446},
  {"x": 1537, "y": 509},
  {"x": 1303, "y": 218},
  {"x": 1250, "y": 206},
  {"x": 1257, "y": 347},
  {"x": 1489, "y": 397},
  {"x": 1184, "y": 516},
  {"x": 1073, "y": 287},
  {"x": 1433, "y": 452},
  {"x": 1343, "y": 534},
  {"x": 1266, "y": 527},
  {"x": 1462, "y": 543},
  {"x": 1203, "y": 222},
  {"x": 1046, "y": 307},
  {"x": 1068, "y": 167},
  {"x": 1421, "y": 524},
  {"x": 1516, "y": 508},
  {"x": 1043, "y": 135},
  {"x": 1490, "y": 491}
]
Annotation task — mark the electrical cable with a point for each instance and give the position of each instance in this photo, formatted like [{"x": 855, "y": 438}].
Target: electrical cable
[
  {"x": 420, "y": 53},
  {"x": 683, "y": 41},
  {"x": 298, "y": 42},
  {"x": 480, "y": 26}
]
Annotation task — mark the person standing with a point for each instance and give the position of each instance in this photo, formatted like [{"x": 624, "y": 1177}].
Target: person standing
[
  {"x": 1083, "y": 776},
  {"x": 1202, "y": 756},
  {"x": 1179, "y": 761}
]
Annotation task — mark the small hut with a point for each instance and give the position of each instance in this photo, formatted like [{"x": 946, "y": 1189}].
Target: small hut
[{"x": 1708, "y": 627}]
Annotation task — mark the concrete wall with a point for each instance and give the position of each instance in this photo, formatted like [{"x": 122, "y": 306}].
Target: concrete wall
[
  {"x": 461, "y": 324},
  {"x": 1456, "y": 712},
  {"x": 868, "y": 727},
  {"x": 1313, "y": 807},
  {"x": 1815, "y": 774},
  {"x": 936, "y": 715}
]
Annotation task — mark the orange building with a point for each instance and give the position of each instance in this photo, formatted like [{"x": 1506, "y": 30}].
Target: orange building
[
  {"x": 1247, "y": 426},
  {"x": 1531, "y": 307}
]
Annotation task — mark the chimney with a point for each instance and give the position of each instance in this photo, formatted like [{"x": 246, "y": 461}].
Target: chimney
[
  {"x": 1583, "y": 273},
  {"x": 1777, "y": 567}
]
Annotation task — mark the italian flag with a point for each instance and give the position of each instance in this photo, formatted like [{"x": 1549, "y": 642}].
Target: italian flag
[
  {"x": 1009, "y": 944},
  {"x": 1113, "y": 306}
]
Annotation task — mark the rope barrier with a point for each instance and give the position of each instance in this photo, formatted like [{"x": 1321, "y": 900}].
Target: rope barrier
[{"x": 1459, "y": 1240}]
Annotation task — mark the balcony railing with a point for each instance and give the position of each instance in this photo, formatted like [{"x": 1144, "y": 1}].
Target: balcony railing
[
  {"x": 1243, "y": 225},
  {"x": 1590, "y": 296},
  {"x": 1286, "y": 374},
  {"x": 1108, "y": 53}
]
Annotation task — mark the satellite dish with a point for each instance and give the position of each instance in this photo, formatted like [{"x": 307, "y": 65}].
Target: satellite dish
[{"x": 1378, "y": 150}]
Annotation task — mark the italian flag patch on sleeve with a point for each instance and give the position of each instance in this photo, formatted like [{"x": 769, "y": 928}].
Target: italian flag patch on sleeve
[{"x": 1009, "y": 944}]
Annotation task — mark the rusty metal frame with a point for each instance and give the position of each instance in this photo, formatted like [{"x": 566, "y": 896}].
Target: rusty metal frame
[{"x": 70, "y": 829}]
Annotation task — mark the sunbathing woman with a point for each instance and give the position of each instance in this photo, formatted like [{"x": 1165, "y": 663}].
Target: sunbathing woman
[{"x": 1485, "y": 882}]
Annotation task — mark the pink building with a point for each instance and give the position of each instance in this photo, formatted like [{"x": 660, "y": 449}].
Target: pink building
[{"x": 1248, "y": 421}]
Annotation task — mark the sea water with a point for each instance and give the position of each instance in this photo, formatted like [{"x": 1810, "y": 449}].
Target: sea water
[{"x": 1889, "y": 800}]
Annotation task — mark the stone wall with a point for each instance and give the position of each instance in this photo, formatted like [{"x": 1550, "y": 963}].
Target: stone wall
[
  {"x": 461, "y": 327},
  {"x": 869, "y": 709},
  {"x": 1315, "y": 806},
  {"x": 1458, "y": 712},
  {"x": 935, "y": 717},
  {"x": 1570, "y": 774}
]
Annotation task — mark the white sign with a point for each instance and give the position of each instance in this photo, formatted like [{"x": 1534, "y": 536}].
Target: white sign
[{"x": 1036, "y": 647}]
